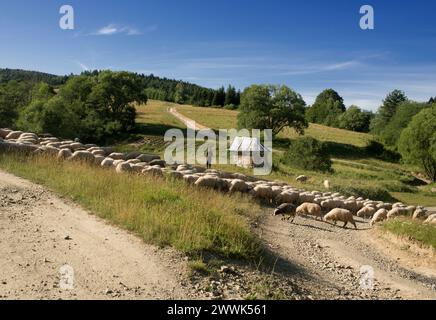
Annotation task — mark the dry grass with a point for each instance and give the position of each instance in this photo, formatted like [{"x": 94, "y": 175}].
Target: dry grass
[{"x": 162, "y": 212}]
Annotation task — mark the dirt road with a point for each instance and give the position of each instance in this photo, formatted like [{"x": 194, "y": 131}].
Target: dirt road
[
  {"x": 187, "y": 121},
  {"x": 329, "y": 259},
  {"x": 40, "y": 234}
]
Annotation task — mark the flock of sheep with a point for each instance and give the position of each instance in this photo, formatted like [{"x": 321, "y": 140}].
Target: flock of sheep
[{"x": 289, "y": 200}]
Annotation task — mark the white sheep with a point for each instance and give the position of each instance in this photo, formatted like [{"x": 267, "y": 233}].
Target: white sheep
[
  {"x": 84, "y": 156},
  {"x": 288, "y": 197},
  {"x": 431, "y": 219},
  {"x": 420, "y": 213},
  {"x": 366, "y": 212},
  {"x": 123, "y": 167},
  {"x": 263, "y": 192},
  {"x": 64, "y": 154},
  {"x": 117, "y": 156},
  {"x": 238, "y": 185},
  {"x": 380, "y": 215},
  {"x": 397, "y": 211},
  {"x": 311, "y": 209},
  {"x": 343, "y": 215}
]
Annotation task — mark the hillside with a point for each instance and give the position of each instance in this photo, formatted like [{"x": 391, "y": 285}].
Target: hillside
[
  {"x": 354, "y": 170},
  {"x": 31, "y": 76}
]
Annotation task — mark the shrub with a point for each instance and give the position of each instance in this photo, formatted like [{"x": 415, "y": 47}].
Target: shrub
[
  {"x": 378, "y": 150},
  {"x": 308, "y": 154}
]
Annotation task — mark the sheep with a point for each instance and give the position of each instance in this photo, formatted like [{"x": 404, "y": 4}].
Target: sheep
[
  {"x": 4, "y": 133},
  {"x": 397, "y": 211},
  {"x": 286, "y": 209},
  {"x": 147, "y": 157},
  {"x": 366, "y": 212},
  {"x": 343, "y": 215},
  {"x": 238, "y": 185},
  {"x": 85, "y": 156},
  {"x": 98, "y": 152},
  {"x": 419, "y": 213},
  {"x": 431, "y": 219},
  {"x": 287, "y": 197},
  {"x": 190, "y": 178},
  {"x": 158, "y": 162},
  {"x": 154, "y": 171},
  {"x": 263, "y": 192},
  {"x": 380, "y": 215},
  {"x": 306, "y": 197},
  {"x": 98, "y": 160},
  {"x": 311, "y": 209},
  {"x": 117, "y": 156},
  {"x": 107, "y": 163},
  {"x": 326, "y": 184},
  {"x": 123, "y": 167},
  {"x": 75, "y": 146},
  {"x": 64, "y": 154},
  {"x": 176, "y": 174},
  {"x": 13, "y": 135},
  {"x": 302, "y": 179}
]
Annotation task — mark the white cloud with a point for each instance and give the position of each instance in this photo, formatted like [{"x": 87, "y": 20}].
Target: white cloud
[
  {"x": 83, "y": 66},
  {"x": 113, "y": 29}
]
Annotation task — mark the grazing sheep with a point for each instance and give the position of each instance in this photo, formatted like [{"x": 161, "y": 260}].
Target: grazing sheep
[
  {"x": 64, "y": 154},
  {"x": 107, "y": 162},
  {"x": 123, "y": 167},
  {"x": 13, "y": 135},
  {"x": 286, "y": 209},
  {"x": 343, "y": 215},
  {"x": 74, "y": 146},
  {"x": 117, "y": 156},
  {"x": 84, "y": 156},
  {"x": 147, "y": 157},
  {"x": 419, "y": 213},
  {"x": 311, "y": 209},
  {"x": 302, "y": 179},
  {"x": 4, "y": 133},
  {"x": 238, "y": 185},
  {"x": 154, "y": 171},
  {"x": 287, "y": 197},
  {"x": 98, "y": 152},
  {"x": 263, "y": 192},
  {"x": 366, "y": 212},
  {"x": 158, "y": 162},
  {"x": 190, "y": 178},
  {"x": 176, "y": 174},
  {"x": 380, "y": 215},
  {"x": 306, "y": 197},
  {"x": 132, "y": 155},
  {"x": 431, "y": 219},
  {"x": 397, "y": 211}
]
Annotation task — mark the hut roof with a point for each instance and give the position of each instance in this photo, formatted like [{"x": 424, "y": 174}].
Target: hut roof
[{"x": 247, "y": 144}]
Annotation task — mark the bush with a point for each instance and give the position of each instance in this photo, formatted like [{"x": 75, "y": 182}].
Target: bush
[
  {"x": 308, "y": 154},
  {"x": 378, "y": 150}
]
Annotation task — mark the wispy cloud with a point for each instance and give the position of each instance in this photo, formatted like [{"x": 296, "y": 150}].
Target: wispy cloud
[
  {"x": 83, "y": 66},
  {"x": 113, "y": 29}
]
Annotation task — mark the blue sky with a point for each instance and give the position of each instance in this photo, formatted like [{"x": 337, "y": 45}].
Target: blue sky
[{"x": 307, "y": 45}]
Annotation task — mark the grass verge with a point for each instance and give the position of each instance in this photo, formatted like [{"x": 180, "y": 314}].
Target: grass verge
[
  {"x": 165, "y": 213},
  {"x": 415, "y": 230}
]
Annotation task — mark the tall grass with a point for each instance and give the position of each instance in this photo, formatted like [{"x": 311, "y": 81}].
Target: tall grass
[
  {"x": 165, "y": 213},
  {"x": 416, "y": 230}
]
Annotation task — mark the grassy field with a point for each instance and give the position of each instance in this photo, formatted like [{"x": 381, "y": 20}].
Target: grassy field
[
  {"x": 354, "y": 171},
  {"x": 162, "y": 212},
  {"x": 415, "y": 230}
]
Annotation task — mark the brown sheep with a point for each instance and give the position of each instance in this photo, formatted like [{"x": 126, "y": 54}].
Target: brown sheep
[
  {"x": 311, "y": 209},
  {"x": 340, "y": 215}
]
